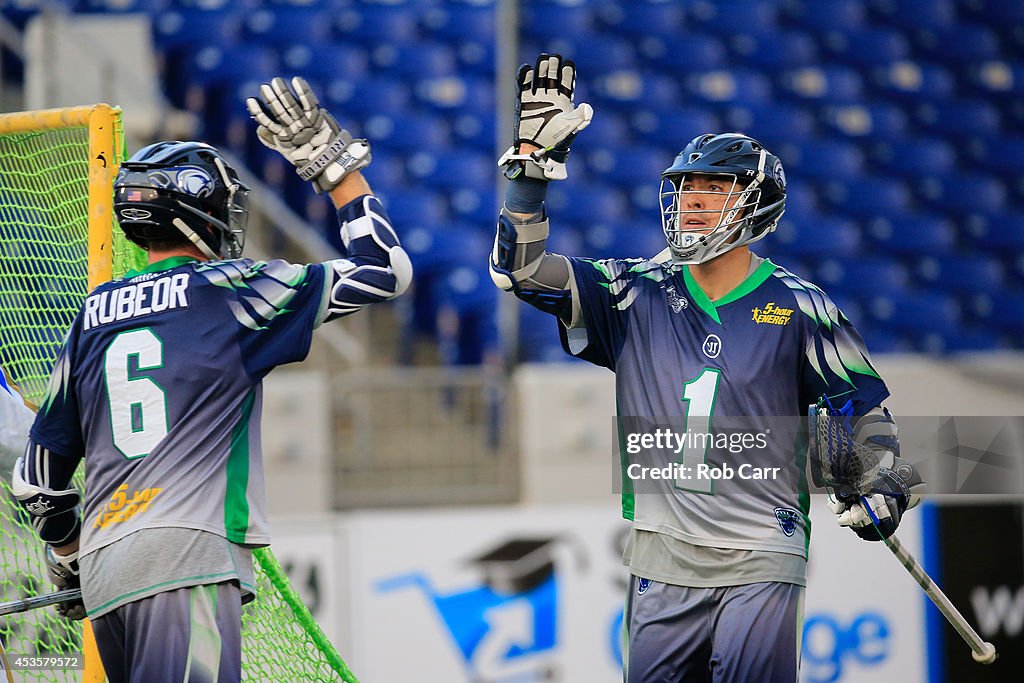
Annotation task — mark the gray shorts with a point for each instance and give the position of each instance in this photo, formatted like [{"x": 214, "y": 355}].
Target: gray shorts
[
  {"x": 733, "y": 634},
  {"x": 188, "y": 635}
]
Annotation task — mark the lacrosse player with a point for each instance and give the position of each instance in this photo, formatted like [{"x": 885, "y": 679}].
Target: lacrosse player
[
  {"x": 716, "y": 584},
  {"x": 158, "y": 385}
]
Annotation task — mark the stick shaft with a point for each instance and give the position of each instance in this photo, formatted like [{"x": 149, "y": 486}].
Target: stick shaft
[
  {"x": 936, "y": 595},
  {"x": 37, "y": 601}
]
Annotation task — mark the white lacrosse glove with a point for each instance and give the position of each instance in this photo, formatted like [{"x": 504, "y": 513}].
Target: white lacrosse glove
[
  {"x": 292, "y": 122},
  {"x": 545, "y": 117},
  {"x": 876, "y": 513},
  {"x": 63, "y": 571}
]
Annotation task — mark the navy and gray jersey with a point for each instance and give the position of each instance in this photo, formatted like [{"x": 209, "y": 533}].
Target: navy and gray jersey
[
  {"x": 768, "y": 349},
  {"x": 158, "y": 383}
]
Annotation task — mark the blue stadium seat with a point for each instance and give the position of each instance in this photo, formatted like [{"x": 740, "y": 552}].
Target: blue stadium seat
[
  {"x": 456, "y": 93},
  {"x": 997, "y": 12},
  {"x": 753, "y": 17},
  {"x": 776, "y": 50},
  {"x": 456, "y": 22},
  {"x": 629, "y": 165},
  {"x": 598, "y": 54},
  {"x": 823, "y": 158},
  {"x": 122, "y": 6},
  {"x": 915, "y": 157},
  {"x": 701, "y": 52},
  {"x": 565, "y": 238},
  {"x": 414, "y": 60},
  {"x": 932, "y": 14},
  {"x": 408, "y": 131},
  {"x": 283, "y": 26},
  {"x": 867, "y": 48},
  {"x": 997, "y": 232},
  {"x": 959, "y": 117},
  {"x": 642, "y": 19},
  {"x": 862, "y": 277},
  {"x": 373, "y": 25},
  {"x": 538, "y": 337},
  {"x": 478, "y": 131},
  {"x": 467, "y": 169},
  {"x": 869, "y": 197},
  {"x": 477, "y": 205},
  {"x": 831, "y": 84},
  {"x": 963, "y": 193},
  {"x": 911, "y": 234},
  {"x": 997, "y": 78},
  {"x": 817, "y": 236},
  {"x": 1006, "y": 311},
  {"x": 960, "y": 44},
  {"x": 824, "y": 15},
  {"x": 587, "y": 204},
  {"x": 962, "y": 274},
  {"x": 608, "y": 128},
  {"x": 409, "y": 207},
  {"x": 325, "y": 62},
  {"x": 636, "y": 90},
  {"x": 878, "y": 120},
  {"x": 672, "y": 129},
  {"x": 553, "y": 21},
  {"x": 729, "y": 85},
  {"x": 915, "y": 313},
  {"x": 913, "y": 81},
  {"x": 178, "y": 28},
  {"x": 801, "y": 201},
  {"x": 774, "y": 124},
  {"x": 367, "y": 96}
]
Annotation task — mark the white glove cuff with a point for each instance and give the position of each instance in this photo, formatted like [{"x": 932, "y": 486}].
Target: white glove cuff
[{"x": 352, "y": 157}]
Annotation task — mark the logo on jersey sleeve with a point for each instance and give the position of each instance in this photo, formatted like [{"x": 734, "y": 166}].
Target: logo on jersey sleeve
[
  {"x": 676, "y": 302},
  {"x": 771, "y": 314},
  {"x": 788, "y": 520}
]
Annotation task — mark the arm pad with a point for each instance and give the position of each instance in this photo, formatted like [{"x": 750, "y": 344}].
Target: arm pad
[{"x": 55, "y": 512}]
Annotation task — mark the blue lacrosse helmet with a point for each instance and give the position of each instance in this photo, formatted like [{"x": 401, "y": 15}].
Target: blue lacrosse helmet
[
  {"x": 172, "y": 189},
  {"x": 753, "y": 185}
]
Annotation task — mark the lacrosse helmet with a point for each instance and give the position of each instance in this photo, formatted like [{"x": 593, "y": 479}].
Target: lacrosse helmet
[
  {"x": 754, "y": 190},
  {"x": 172, "y": 188}
]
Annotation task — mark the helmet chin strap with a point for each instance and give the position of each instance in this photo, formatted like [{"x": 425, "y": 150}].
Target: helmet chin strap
[{"x": 194, "y": 238}]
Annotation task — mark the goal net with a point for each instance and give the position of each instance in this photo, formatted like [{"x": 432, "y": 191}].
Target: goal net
[{"x": 58, "y": 239}]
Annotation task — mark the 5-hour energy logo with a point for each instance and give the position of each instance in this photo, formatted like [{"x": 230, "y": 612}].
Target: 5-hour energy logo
[
  {"x": 121, "y": 508},
  {"x": 771, "y": 314}
]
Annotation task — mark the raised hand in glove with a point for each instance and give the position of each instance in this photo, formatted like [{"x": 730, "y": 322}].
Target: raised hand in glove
[
  {"x": 63, "y": 571},
  {"x": 546, "y": 118},
  {"x": 292, "y": 122}
]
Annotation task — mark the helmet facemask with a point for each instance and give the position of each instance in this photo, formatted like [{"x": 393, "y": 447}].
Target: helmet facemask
[{"x": 697, "y": 233}]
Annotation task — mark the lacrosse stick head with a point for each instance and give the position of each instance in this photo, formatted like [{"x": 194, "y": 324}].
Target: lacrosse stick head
[{"x": 837, "y": 460}]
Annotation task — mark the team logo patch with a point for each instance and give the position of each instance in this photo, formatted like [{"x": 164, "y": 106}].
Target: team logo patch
[
  {"x": 642, "y": 585},
  {"x": 771, "y": 314},
  {"x": 788, "y": 519},
  {"x": 190, "y": 180},
  {"x": 712, "y": 346},
  {"x": 676, "y": 302}
]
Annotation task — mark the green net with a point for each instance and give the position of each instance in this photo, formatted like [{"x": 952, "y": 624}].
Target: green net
[{"x": 44, "y": 237}]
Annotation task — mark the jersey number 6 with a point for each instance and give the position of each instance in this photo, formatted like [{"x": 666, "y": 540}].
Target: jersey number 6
[{"x": 138, "y": 407}]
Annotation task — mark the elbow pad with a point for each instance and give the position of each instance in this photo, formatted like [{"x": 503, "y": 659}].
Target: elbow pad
[
  {"x": 512, "y": 259},
  {"x": 56, "y": 515}
]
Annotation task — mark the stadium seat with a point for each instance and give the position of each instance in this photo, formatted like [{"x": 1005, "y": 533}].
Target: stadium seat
[
  {"x": 915, "y": 157},
  {"x": 408, "y": 131},
  {"x": 997, "y": 12},
  {"x": 456, "y": 93},
  {"x": 963, "y": 193},
  {"x": 122, "y": 6},
  {"x": 414, "y": 60},
  {"x": 611, "y": 128},
  {"x": 703, "y": 52},
  {"x": 959, "y": 44},
  {"x": 477, "y": 205},
  {"x": 325, "y": 62},
  {"x": 757, "y": 17},
  {"x": 997, "y": 78},
  {"x": 823, "y": 158},
  {"x": 477, "y": 130},
  {"x": 629, "y": 165},
  {"x": 913, "y": 81},
  {"x": 830, "y": 84},
  {"x": 642, "y": 19},
  {"x": 877, "y": 120},
  {"x": 962, "y": 274},
  {"x": 824, "y": 15},
  {"x": 959, "y": 117},
  {"x": 774, "y": 51},
  {"x": 1006, "y": 311},
  {"x": 801, "y": 201},
  {"x": 178, "y": 28},
  {"x": 915, "y": 313},
  {"x": 587, "y": 204},
  {"x": 911, "y": 234},
  {"x": 867, "y": 48},
  {"x": 861, "y": 277},
  {"x": 456, "y": 22},
  {"x": 374, "y": 25},
  {"x": 367, "y": 96},
  {"x": 774, "y": 124},
  {"x": 552, "y": 21},
  {"x": 817, "y": 236},
  {"x": 869, "y": 197},
  {"x": 281, "y": 26},
  {"x": 410, "y": 207},
  {"x": 997, "y": 232},
  {"x": 732, "y": 85},
  {"x": 631, "y": 91},
  {"x": 932, "y": 14},
  {"x": 598, "y": 54},
  {"x": 468, "y": 169},
  {"x": 671, "y": 129}
]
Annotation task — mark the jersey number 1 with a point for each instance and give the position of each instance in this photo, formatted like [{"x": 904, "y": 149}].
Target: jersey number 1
[
  {"x": 699, "y": 397},
  {"x": 138, "y": 407}
]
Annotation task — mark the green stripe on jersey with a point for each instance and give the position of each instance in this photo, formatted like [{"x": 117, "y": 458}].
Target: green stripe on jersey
[{"x": 236, "y": 502}]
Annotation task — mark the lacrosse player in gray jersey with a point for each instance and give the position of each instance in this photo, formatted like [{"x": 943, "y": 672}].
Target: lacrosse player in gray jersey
[
  {"x": 158, "y": 384},
  {"x": 708, "y": 330}
]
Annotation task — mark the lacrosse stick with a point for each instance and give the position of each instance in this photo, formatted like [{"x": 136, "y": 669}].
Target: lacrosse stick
[
  {"x": 848, "y": 467},
  {"x": 26, "y": 604}
]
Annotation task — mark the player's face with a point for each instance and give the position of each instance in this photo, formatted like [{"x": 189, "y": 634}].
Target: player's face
[{"x": 704, "y": 200}]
